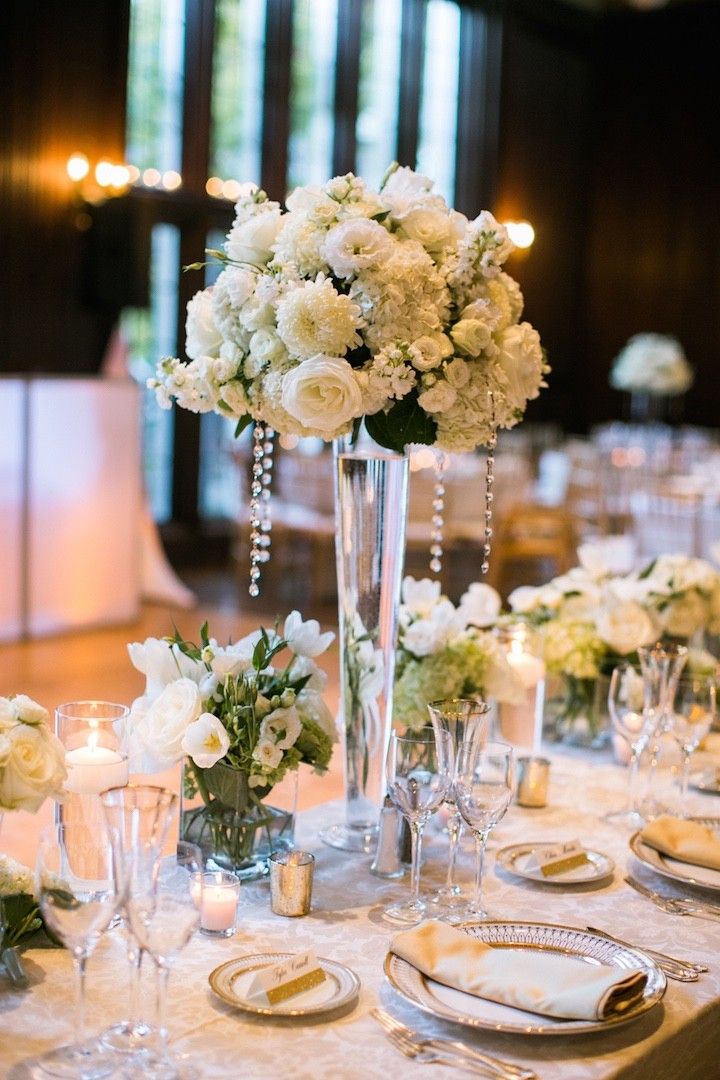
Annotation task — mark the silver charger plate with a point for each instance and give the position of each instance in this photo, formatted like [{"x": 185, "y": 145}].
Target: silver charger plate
[
  {"x": 685, "y": 873},
  {"x": 231, "y": 982},
  {"x": 515, "y": 860},
  {"x": 461, "y": 1008}
]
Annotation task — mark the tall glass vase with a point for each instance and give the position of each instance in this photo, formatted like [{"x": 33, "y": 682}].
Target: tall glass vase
[{"x": 371, "y": 493}]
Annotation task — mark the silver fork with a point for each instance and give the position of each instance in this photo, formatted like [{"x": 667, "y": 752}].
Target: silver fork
[
  {"x": 413, "y": 1045},
  {"x": 682, "y": 970},
  {"x": 676, "y": 905}
]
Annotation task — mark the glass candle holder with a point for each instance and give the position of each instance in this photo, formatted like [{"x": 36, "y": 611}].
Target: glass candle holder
[
  {"x": 218, "y": 892},
  {"x": 522, "y": 724},
  {"x": 91, "y": 732},
  {"x": 533, "y": 781}
]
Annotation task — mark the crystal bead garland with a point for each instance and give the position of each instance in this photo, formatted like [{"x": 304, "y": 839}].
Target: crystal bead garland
[
  {"x": 438, "y": 520},
  {"x": 489, "y": 498},
  {"x": 260, "y": 523}
]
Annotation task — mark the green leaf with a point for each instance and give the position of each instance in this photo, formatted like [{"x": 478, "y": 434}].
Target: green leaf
[
  {"x": 647, "y": 571},
  {"x": 260, "y": 653},
  {"x": 381, "y": 216},
  {"x": 404, "y": 423},
  {"x": 242, "y": 423},
  {"x": 204, "y": 635}
]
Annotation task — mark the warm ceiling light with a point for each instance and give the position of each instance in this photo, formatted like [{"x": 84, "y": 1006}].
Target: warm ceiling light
[
  {"x": 133, "y": 174},
  {"x": 120, "y": 176},
  {"x": 214, "y": 187},
  {"x": 521, "y": 233},
  {"x": 171, "y": 180},
  {"x": 104, "y": 173},
  {"x": 77, "y": 167},
  {"x": 231, "y": 189},
  {"x": 151, "y": 178}
]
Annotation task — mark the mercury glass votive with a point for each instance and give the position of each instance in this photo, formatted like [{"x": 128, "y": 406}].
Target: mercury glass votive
[
  {"x": 533, "y": 781},
  {"x": 291, "y": 877}
]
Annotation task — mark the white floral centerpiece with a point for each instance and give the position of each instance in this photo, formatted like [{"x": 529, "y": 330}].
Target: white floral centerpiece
[
  {"x": 590, "y": 619},
  {"x": 652, "y": 364},
  {"x": 32, "y": 758},
  {"x": 353, "y": 303},
  {"x": 446, "y": 651},
  {"x": 240, "y": 724}
]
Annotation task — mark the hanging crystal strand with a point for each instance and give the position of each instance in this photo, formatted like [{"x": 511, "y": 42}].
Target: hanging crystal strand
[
  {"x": 489, "y": 496},
  {"x": 438, "y": 520},
  {"x": 260, "y": 523}
]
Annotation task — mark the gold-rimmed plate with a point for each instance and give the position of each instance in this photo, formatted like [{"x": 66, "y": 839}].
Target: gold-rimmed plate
[
  {"x": 475, "y": 1012},
  {"x": 685, "y": 873},
  {"x": 231, "y": 982},
  {"x": 516, "y": 860}
]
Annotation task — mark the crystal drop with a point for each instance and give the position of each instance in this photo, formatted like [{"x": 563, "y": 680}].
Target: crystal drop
[
  {"x": 263, "y": 556},
  {"x": 438, "y": 504},
  {"x": 489, "y": 497},
  {"x": 255, "y": 573},
  {"x": 255, "y": 537},
  {"x": 256, "y": 488},
  {"x": 254, "y": 556},
  {"x": 266, "y": 526},
  {"x": 489, "y": 533},
  {"x": 267, "y": 448},
  {"x": 265, "y": 494},
  {"x": 436, "y": 549},
  {"x": 439, "y": 489},
  {"x": 255, "y": 522},
  {"x": 266, "y": 478},
  {"x": 438, "y": 520},
  {"x": 264, "y": 541},
  {"x": 484, "y": 567},
  {"x": 435, "y": 566},
  {"x": 267, "y": 462},
  {"x": 254, "y": 589}
]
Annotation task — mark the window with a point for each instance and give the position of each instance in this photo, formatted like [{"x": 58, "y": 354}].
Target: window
[
  {"x": 312, "y": 90},
  {"x": 376, "y": 128},
  {"x": 439, "y": 101},
  {"x": 155, "y": 84},
  {"x": 237, "y": 88}
]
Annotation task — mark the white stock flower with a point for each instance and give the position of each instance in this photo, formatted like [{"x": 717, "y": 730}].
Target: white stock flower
[
  {"x": 480, "y": 605},
  {"x": 420, "y": 597},
  {"x": 32, "y": 767},
  {"x": 281, "y": 727},
  {"x": 625, "y": 627},
  {"x": 304, "y": 638},
  {"x": 160, "y": 729},
  {"x": 252, "y": 241},
  {"x": 15, "y": 877},
  {"x": 322, "y": 394},
  {"x": 267, "y": 754},
  {"x": 202, "y": 335},
  {"x": 354, "y": 245},
  {"x": 205, "y": 740},
  {"x": 314, "y": 318}
]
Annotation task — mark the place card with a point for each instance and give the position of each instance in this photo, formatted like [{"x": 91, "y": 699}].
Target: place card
[
  {"x": 555, "y": 859},
  {"x": 283, "y": 981}
]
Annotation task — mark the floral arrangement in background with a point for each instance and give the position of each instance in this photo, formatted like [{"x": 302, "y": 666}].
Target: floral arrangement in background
[
  {"x": 652, "y": 364},
  {"x": 352, "y": 303},
  {"x": 32, "y": 758},
  {"x": 446, "y": 651}
]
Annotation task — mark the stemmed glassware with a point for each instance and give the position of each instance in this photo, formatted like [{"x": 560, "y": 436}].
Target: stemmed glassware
[
  {"x": 484, "y": 786},
  {"x": 464, "y": 719},
  {"x": 78, "y": 898},
  {"x": 626, "y": 704},
  {"x": 419, "y": 774},
  {"x": 661, "y": 667},
  {"x": 694, "y": 710}
]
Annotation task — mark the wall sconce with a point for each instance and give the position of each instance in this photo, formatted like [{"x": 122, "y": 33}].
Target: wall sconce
[
  {"x": 109, "y": 179},
  {"x": 521, "y": 233}
]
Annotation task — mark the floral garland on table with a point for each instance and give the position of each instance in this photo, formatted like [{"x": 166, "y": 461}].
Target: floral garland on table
[
  {"x": 352, "y": 304},
  {"x": 446, "y": 651},
  {"x": 652, "y": 364},
  {"x": 591, "y": 619}
]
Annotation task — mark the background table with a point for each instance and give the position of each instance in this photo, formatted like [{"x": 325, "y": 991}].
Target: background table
[{"x": 679, "y": 1038}]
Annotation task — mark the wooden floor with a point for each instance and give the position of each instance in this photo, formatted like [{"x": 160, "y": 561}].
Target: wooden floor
[{"x": 95, "y": 664}]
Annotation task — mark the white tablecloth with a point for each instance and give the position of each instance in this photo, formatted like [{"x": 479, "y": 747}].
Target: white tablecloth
[{"x": 679, "y": 1038}]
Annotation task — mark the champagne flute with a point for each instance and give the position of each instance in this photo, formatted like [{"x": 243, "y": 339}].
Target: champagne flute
[
  {"x": 693, "y": 714},
  {"x": 484, "y": 785},
  {"x": 419, "y": 772},
  {"x": 463, "y": 719},
  {"x": 626, "y": 704},
  {"x": 78, "y": 898}
]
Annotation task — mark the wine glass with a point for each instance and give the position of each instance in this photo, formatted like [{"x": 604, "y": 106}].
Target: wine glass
[
  {"x": 463, "y": 719},
  {"x": 693, "y": 714},
  {"x": 419, "y": 773},
  {"x": 78, "y": 898},
  {"x": 484, "y": 785},
  {"x": 626, "y": 704},
  {"x": 661, "y": 665}
]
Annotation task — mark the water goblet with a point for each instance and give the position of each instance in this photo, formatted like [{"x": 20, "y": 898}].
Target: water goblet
[
  {"x": 419, "y": 773},
  {"x": 661, "y": 665},
  {"x": 463, "y": 719},
  {"x": 626, "y": 704},
  {"x": 78, "y": 898},
  {"x": 694, "y": 711},
  {"x": 484, "y": 785}
]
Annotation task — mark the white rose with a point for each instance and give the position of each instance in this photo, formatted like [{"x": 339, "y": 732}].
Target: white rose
[
  {"x": 266, "y": 346},
  {"x": 304, "y": 638},
  {"x": 8, "y": 714},
  {"x": 28, "y": 711},
  {"x": 438, "y": 398},
  {"x": 431, "y": 228},
  {"x": 202, "y": 337},
  {"x": 471, "y": 336},
  {"x": 161, "y": 728},
  {"x": 206, "y": 741},
  {"x": 33, "y": 767},
  {"x": 625, "y": 627},
  {"x": 281, "y": 727},
  {"x": 480, "y": 605},
  {"x": 354, "y": 245},
  {"x": 252, "y": 241},
  {"x": 520, "y": 358},
  {"x": 322, "y": 393}
]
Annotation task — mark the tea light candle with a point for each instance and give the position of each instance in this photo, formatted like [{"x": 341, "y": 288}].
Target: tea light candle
[
  {"x": 92, "y": 768},
  {"x": 218, "y": 902}
]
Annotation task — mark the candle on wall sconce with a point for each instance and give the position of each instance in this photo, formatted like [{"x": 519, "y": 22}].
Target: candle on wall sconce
[{"x": 521, "y": 233}]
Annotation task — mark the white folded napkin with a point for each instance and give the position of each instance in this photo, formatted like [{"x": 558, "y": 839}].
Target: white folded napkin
[
  {"x": 540, "y": 982},
  {"x": 688, "y": 841}
]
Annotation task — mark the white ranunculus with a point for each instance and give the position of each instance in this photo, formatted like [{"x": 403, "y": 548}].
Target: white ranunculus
[
  {"x": 32, "y": 769},
  {"x": 206, "y": 741},
  {"x": 267, "y": 753},
  {"x": 521, "y": 360},
  {"x": 322, "y": 393},
  {"x": 282, "y": 727},
  {"x": 471, "y": 336},
  {"x": 202, "y": 336},
  {"x": 625, "y": 627},
  {"x": 161, "y": 664},
  {"x": 160, "y": 729},
  {"x": 480, "y": 605},
  {"x": 311, "y": 704},
  {"x": 252, "y": 241},
  {"x": 420, "y": 597},
  {"x": 304, "y": 638},
  {"x": 431, "y": 227},
  {"x": 355, "y": 244}
]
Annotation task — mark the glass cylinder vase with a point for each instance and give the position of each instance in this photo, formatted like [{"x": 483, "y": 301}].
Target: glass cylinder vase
[{"x": 371, "y": 499}]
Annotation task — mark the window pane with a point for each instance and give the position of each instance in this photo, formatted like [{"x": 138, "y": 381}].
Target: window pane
[
  {"x": 376, "y": 129},
  {"x": 312, "y": 91},
  {"x": 438, "y": 110},
  {"x": 155, "y": 84},
  {"x": 237, "y": 89},
  {"x": 151, "y": 334}
]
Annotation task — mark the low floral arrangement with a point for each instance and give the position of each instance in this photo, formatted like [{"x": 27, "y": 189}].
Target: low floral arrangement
[
  {"x": 652, "y": 364},
  {"x": 445, "y": 651},
  {"x": 352, "y": 303},
  {"x": 590, "y": 619},
  {"x": 32, "y": 758}
]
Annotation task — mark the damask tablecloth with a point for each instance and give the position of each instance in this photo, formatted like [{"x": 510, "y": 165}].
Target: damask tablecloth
[{"x": 680, "y": 1038}]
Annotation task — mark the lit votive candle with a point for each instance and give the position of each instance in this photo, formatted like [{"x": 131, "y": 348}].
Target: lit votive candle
[
  {"x": 218, "y": 902},
  {"x": 92, "y": 768},
  {"x": 533, "y": 777}
]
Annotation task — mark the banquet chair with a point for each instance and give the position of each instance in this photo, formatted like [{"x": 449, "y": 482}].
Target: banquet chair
[{"x": 532, "y": 543}]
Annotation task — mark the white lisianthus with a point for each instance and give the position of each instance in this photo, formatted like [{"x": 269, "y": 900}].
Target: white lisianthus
[
  {"x": 202, "y": 335},
  {"x": 314, "y": 318},
  {"x": 431, "y": 227},
  {"x": 268, "y": 754},
  {"x": 480, "y": 605},
  {"x": 161, "y": 664},
  {"x": 281, "y": 727},
  {"x": 625, "y": 627},
  {"x": 457, "y": 373},
  {"x": 354, "y": 245},
  {"x": 32, "y": 767},
  {"x": 521, "y": 360},
  {"x": 160, "y": 729},
  {"x": 205, "y": 740},
  {"x": 430, "y": 350},
  {"x": 304, "y": 638},
  {"x": 438, "y": 398},
  {"x": 322, "y": 394},
  {"x": 405, "y": 190},
  {"x": 420, "y": 597},
  {"x": 252, "y": 241}
]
